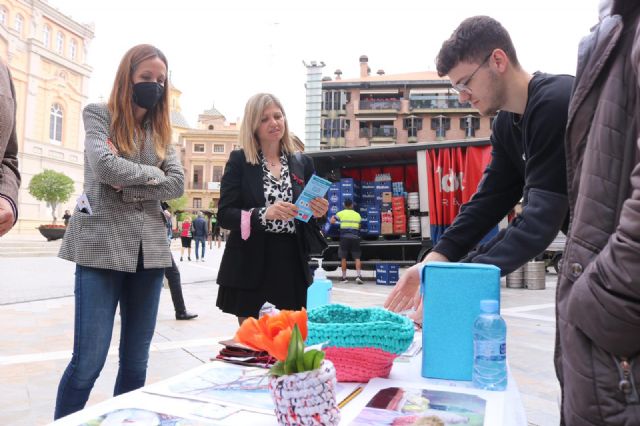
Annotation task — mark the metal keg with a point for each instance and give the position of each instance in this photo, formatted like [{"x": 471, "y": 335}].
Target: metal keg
[
  {"x": 413, "y": 201},
  {"x": 414, "y": 224},
  {"x": 516, "y": 278},
  {"x": 534, "y": 275}
]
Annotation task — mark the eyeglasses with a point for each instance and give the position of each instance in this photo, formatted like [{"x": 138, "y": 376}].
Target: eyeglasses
[{"x": 463, "y": 87}]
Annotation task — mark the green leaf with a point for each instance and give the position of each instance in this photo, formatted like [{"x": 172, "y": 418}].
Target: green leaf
[
  {"x": 309, "y": 357},
  {"x": 317, "y": 360},
  {"x": 277, "y": 369}
]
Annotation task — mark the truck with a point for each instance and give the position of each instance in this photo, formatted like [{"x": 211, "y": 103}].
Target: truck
[{"x": 441, "y": 175}]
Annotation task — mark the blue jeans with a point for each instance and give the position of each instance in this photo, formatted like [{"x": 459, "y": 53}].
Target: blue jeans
[
  {"x": 97, "y": 294},
  {"x": 199, "y": 240}
]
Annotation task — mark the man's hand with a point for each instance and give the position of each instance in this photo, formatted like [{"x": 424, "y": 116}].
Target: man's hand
[
  {"x": 6, "y": 216},
  {"x": 406, "y": 293}
]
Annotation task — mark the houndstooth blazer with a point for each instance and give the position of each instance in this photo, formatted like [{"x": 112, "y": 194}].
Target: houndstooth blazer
[
  {"x": 123, "y": 222},
  {"x": 9, "y": 174}
]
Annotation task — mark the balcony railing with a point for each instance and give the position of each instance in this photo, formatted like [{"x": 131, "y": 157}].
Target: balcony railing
[
  {"x": 380, "y": 105},
  {"x": 439, "y": 103},
  {"x": 384, "y": 132},
  {"x": 381, "y": 132}
]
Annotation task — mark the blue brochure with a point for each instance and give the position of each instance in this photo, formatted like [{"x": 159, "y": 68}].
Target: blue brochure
[{"x": 316, "y": 187}]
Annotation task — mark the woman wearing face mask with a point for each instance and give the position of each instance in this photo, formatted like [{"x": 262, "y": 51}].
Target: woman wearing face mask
[
  {"x": 265, "y": 259},
  {"x": 118, "y": 241}
]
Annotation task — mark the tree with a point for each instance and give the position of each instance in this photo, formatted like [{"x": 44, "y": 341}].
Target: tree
[
  {"x": 52, "y": 187},
  {"x": 178, "y": 204}
]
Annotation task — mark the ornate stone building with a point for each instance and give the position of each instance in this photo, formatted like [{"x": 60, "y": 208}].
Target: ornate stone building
[
  {"x": 46, "y": 52},
  {"x": 205, "y": 152}
]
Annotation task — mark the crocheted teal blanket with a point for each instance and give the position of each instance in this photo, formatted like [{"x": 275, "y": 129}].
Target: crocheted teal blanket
[{"x": 347, "y": 327}]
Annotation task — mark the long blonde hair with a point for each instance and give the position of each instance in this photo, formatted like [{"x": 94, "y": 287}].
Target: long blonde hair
[
  {"x": 123, "y": 125},
  {"x": 251, "y": 121}
]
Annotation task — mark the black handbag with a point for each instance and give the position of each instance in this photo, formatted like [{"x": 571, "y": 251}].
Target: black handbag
[
  {"x": 312, "y": 238},
  {"x": 313, "y": 241}
]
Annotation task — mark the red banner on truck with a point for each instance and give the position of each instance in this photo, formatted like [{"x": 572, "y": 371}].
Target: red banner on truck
[{"x": 453, "y": 176}]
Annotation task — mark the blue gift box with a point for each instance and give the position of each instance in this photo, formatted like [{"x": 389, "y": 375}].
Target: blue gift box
[{"x": 451, "y": 302}]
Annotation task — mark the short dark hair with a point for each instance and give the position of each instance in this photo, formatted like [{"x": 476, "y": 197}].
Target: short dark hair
[
  {"x": 348, "y": 202},
  {"x": 473, "y": 40}
]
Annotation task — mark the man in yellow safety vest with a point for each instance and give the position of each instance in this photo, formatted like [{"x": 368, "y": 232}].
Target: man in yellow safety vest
[{"x": 349, "y": 238}]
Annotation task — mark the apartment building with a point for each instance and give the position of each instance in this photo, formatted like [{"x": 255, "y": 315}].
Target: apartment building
[{"x": 394, "y": 109}]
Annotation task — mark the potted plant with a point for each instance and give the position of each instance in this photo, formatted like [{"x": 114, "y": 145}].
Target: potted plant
[
  {"x": 302, "y": 383},
  {"x": 53, "y": 188}
]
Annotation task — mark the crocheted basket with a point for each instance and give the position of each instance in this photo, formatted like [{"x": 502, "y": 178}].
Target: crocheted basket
[
  {"x": 362, "y": 342},
  {"x": 307, "y": 398}
]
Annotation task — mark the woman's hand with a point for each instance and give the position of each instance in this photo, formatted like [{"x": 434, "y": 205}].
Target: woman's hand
[
  {"x": 115, "y": 152},
  {"x": 281, "y": 211},
  {"x": 319, "y": 206}
]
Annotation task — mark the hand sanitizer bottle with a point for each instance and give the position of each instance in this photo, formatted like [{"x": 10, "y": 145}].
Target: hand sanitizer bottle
[{"x": 319, "y": 292}]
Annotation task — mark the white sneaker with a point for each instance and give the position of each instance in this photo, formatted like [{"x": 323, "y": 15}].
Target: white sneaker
[
  {"x": 344, "y": 281},
  {"x": 359, "y": 280}
]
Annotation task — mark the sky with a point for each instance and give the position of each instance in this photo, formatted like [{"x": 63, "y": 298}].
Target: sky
[{"x": 223, "y": 52}]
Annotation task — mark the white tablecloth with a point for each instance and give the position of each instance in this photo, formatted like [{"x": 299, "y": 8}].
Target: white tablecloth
[{"x": 506, "y": 407}]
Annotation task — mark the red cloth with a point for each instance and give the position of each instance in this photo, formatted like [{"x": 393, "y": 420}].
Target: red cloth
[{"x": 185, "y": 229}]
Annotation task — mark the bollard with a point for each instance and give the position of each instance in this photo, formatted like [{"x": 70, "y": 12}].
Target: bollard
[
  {"x": 534, "y": 275},
  {"x": 516, "y": 278}
]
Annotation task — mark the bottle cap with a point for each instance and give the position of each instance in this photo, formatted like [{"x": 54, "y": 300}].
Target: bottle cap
[{"x": 489, "y": 306}]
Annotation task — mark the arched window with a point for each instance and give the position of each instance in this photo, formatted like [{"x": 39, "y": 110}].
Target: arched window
[
  {"x": 60, "y": 43},
  {"x": 3, "y": 15},
  {"x": 55, "y": 124},
  {"x": 73, "y": 49},
  {"x": 18, "y": 23},
  {"x": 46, "y": 36}
]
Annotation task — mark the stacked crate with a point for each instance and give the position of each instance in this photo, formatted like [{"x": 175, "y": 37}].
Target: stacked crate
[{"x": 399, "y": 215}]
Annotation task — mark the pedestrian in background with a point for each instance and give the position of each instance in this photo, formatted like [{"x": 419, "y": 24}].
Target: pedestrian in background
[
  {"x": 199, "y": 234},
  {"x": 265, "y": 258},
  {"x": 66, "y": 217},
  {"x": 597, "y": 353},
  {"x": 119, "y": 240},
  {"x": 349, "y": 239},
  {"x": 9, "y": 174},
  {"x": 185, "y": 238},
  {"x": 172, "y": 274},
  {"x": 215, "y": 232}
]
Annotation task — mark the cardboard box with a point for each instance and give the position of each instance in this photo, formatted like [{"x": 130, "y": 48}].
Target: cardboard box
[{"x": 386, "y": 228}]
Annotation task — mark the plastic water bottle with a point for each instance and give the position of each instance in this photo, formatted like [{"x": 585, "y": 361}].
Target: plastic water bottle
[
  {"x": 319, "y": 292},
  {"x": 489, "y": 348}
]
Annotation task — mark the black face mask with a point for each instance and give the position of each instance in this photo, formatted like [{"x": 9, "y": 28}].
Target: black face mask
[{"x": 146, "y": 95}]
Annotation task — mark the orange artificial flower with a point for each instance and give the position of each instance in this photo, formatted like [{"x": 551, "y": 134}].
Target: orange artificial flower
[{"x": 272, "y": 333}]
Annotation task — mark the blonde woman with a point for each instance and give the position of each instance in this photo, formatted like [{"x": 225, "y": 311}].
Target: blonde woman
[{"x": 265, "y": 257}]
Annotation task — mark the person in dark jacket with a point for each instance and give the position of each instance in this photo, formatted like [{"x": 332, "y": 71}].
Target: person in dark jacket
[
  {"x": 527, "y": 160},
  {"x": 172, "y": 275},
  {"x": 598, "y": 295},
  {"x": 199, "y": 234},
  {"x": 265, "y": 258}
]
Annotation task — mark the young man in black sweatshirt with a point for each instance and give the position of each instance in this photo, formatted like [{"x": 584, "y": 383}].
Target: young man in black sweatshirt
[{"x": 527, "y": 159}]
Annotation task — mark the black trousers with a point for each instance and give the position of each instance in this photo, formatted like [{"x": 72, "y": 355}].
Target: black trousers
[{"x": 172, "y": 275}]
